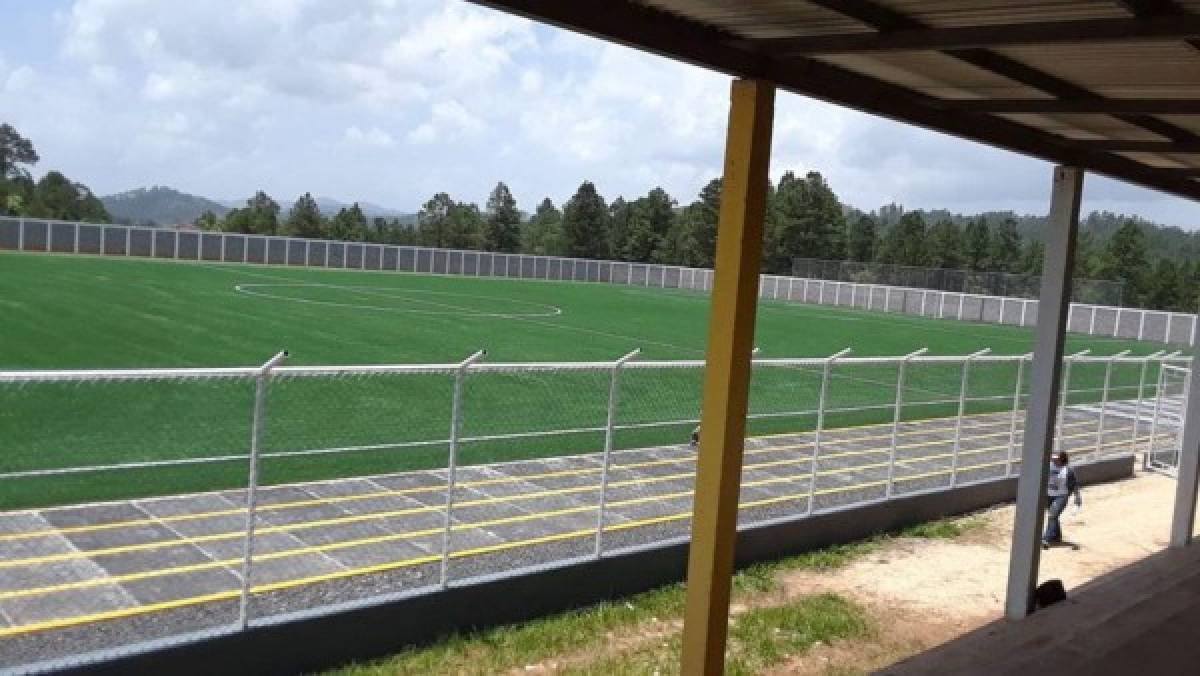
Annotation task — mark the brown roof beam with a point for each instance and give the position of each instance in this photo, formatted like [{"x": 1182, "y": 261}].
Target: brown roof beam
[
  {"x": 1141, "y": 146},
  {"x": 1093, "y": 30},
  {"x": 1086, "y": 106},
  {"x": 1178, "y": 172}
]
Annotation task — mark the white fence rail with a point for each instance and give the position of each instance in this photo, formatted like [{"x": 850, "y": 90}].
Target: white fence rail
[
  {"x": 1171, "y": 328},
  {"x": 290, "y": 488}
]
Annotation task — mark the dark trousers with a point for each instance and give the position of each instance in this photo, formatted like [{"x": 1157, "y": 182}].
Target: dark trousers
[{"x": 1053, "y": 511}]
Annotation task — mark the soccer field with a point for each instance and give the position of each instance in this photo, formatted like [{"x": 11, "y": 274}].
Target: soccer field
[{"x": 70, "y": 312}]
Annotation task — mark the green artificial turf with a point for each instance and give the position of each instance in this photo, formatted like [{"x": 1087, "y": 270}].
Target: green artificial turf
[{"x": 73, "y": 312}]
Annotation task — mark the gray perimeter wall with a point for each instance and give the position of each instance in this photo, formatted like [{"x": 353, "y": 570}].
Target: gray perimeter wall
[
  {"x": 333, "y": 638},
  {"x": 1172, "y": 328}
]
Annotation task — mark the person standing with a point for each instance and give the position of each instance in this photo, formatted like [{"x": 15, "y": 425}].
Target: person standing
[{"x": 1060, "y": 487}]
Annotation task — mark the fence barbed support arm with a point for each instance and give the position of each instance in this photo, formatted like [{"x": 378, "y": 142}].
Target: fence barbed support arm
[
  {"x": 827, "y": 370},
  {"x": 256, "y": 429},
  {"x": 963, "y": 386},
  {"x": 1137, "y": 417},
  {"x": 1104, "y": 398},
  {"x": 1068, "y": 361},
  {"x": 891, "y": 473},
  {"x": 1012, "y": 423},
  {"x": 452, "y": 458},
  {"x": 609, "y": 427}
]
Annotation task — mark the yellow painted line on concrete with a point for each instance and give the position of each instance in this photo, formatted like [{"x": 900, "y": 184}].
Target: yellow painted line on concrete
[
  {"x": 406, "y": 563},
  {"x": 297, "y": 504},
  {"x": 370, "y": 516},
  {"x": 346, "y": 544}
]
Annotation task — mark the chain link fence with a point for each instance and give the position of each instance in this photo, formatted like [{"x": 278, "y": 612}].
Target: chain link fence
[
  {"x": 1013, "y": 285},
  {"x": 142, "y": 505}
]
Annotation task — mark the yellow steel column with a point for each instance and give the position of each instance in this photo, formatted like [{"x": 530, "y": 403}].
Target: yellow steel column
[{"x": 727, "y": 375}]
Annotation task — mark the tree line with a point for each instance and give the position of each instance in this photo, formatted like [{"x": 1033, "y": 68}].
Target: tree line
[
  {"x": 804, "y": 218},
  {"x": 52, "y": 196}
]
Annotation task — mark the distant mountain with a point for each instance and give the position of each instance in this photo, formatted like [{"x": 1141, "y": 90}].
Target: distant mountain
[
  {"x": 159, "y": 205},
  {"x": 329, "y": 207}
]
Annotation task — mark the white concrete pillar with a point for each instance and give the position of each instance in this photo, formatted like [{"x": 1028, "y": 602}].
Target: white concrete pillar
[{"x": 1061, "y": 229}]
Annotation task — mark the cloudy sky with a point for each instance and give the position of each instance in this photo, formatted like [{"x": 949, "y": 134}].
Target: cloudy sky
[{"x": 390, "y": 101}]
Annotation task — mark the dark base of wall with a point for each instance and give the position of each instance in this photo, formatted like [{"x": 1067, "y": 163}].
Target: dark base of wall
[{"x": 361, "y": 633}]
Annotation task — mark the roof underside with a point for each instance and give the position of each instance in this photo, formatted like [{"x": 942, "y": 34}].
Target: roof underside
[{"x": 1112, "y": 86}]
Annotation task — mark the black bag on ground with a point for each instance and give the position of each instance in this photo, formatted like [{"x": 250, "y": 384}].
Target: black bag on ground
[{"x": 1049, "y": 593}]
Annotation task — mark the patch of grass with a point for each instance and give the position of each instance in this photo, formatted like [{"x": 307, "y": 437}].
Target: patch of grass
[
  {"x": 758, "y": 639},
  {"x": 496, "y": 650},
  {"x": 536, "y": 641},
  {"x": 943, "y": 529},
  {"x": 764, "y": 637}
]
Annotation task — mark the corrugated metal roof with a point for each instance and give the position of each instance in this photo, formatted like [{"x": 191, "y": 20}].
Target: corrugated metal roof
[{"x": 925, "y": 84}]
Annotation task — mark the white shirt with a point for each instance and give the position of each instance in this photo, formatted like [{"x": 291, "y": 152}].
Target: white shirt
[{"x": 1057, "y": 485}]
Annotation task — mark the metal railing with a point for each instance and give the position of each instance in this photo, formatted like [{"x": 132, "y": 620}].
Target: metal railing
[
  {"x": 1172, "y": 328},
  {"x": 348, "y": 488}
]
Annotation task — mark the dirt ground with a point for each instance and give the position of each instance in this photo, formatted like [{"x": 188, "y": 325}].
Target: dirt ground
[{"x": 924, "y": 592}]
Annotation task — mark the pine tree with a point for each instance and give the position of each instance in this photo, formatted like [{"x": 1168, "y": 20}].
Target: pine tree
[
  {"x": 905, "y": 243},
  {"x": 1124, "y": 260},
  {"x": 649, "y": 223},
  {"x": 620, "y": 215},
  {"x": 502, "y": 229},
  {"x": 350, "y": 224},
  {"x": 304, "y": 220},
  {"x": 1033, "y": 257},
  {"x": 977, "y": 243},
  {"x": 585, "y": 224},
  {"x": 433, "y": 221},
  {"x": 807, "y": 222},
  {"x": 862, "y": 240},
  {"x": 1005, "y": 255},
  {"x": 464, "y": 226},
  {"x": 945, "y": 245},
  {"x": 542, "y": 233}
]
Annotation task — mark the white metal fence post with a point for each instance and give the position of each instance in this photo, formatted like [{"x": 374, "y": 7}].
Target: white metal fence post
[
  {"x": 891, "y": 474},
  {"x": 76, "y": 247},
  {"x": 128, "y": 238},
  {"x": 816, "y": 454},
  {"x": 609, "y": 428},
  {"x": 452, "y": 458},
  {"x": 1104, "y": 399},
  {"x": 1068, "y": 362},
  {"x": 1137, "y": 415},
  {"x": 259, "y": 420},
  {"x": 963, "y": 388},
  {"x": 1158, "y": 397},
  {"x": 1016, "y": 408}
]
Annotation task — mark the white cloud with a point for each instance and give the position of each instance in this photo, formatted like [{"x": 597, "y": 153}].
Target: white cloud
[
  {"x": 20, "y": 80},
  {"x": 225, "y": 97},
  {"x": 447, "y": 120},
  {"x": 372, "y": 136}
]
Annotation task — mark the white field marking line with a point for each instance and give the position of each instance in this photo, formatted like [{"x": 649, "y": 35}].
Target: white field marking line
[
  {"x": 239, "y": 267},
  {"x": 641, "y": 341},
  {"x": 450, "y": 310}
]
